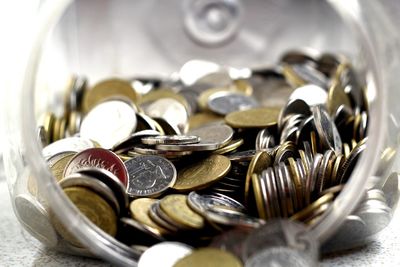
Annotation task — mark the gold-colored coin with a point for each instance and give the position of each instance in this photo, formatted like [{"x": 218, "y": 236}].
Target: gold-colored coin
[
  {"x": 112, "y": 88},
  {"x": 258, "y": 196},
  {"x": 336, "y": 97},
  {"x": 140, "y": 212},
  {"x": 94, "y": 207},
  {"x": 124, "y": 157},
  {"x": 74, "y": 121},
  {"x": 203, "y": 118},
  {"x": 253, "y": 118},
  {"x": 175, "y": 207},
  {"x": 260, "y": 161},
  {"x": 297, "y": 182},
  {"x": 292, "y": 77},
  {"x": 335, "y": 170},
  {"x": 201, "y": 174},
  {"x": 314, "y": 145},
  {"x": 209, "y": 257},
  {"x": 163, "y": 93},
  {"x": 63, "y": 128},
  {"x": 346, "y": 150},
  {"x": 59, "y": 166},
  {"x": 47, "y": 120},
  {"x": 305, "y": 213},
  {"x": 56, "y": 129},
  {"x": 231, "y": 146},
  {"x": 243, "y": 86}
]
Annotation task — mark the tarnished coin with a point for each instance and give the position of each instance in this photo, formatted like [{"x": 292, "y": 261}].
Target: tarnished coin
[
  {"x": 98, "y": 158},
  {"x": 210, "y": 257},
  {"x": 170, "y": 139},
  {"x": 149, "y": 175},
  {"x": 202, "y": 173},
  {"x": 253, "y": 118},
  {"x": 71, "y": 144},
  {"x": 112, "y": 88},
  {"x": 35, "y": 219},
  {"x": 225, "y": 102},
  {"x": 175, "y": 206},
  {"x": 117, "y": 122},
  {"x": 94, "y": 207},
  {"x": 96, "y": 185},
  {"x": 167, "y": 253}
]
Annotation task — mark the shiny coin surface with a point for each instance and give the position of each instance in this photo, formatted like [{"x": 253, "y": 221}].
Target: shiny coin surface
[
  {"x": 202, "y": 173},
  {"x": 112, "y": 88},
  {"x": 149, "y": 175},
  {"x": 327, "y": 130},
  {"x": 71, "y": 144},
  {"x": 170, "y": 139},
  {"x": 253, "y": 118},
  {"x": 167, "y": 253},
  {"x": 226, "y": 216},
  {"x": 175, "y": 206},
  {"x": 140, "y": 208},
  {"x": 118, "y": 121},
  {"x": 210, "y": 257},
  {"x": 98, "y": 158},
  {"x": 133, "y": 140},
  {"x": 201, "y": 203},
  {"x": 226, "y": 102}
]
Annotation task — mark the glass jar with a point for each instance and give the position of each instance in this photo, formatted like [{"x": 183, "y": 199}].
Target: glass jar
[{"x": 123, "y": 38}]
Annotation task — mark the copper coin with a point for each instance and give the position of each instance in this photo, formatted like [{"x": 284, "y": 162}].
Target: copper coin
[{"x": 98, "y": 158}]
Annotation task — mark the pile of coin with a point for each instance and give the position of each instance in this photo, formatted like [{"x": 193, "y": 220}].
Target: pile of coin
[{"x": 191, "y": 156}]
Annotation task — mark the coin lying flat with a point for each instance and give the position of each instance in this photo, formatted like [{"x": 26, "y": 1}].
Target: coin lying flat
[
  {"x": 98, "y": 158},
  {"x": 176, "y": 207},
  {"x": 149, "y": 175},
  {"x": 171, "y": 139},
  {"x": 226, "y": 102},
  {"x": 253, "y": 118},
  {"x": 118, "y": 121},
  {"x": 167, "y": 253},
  {"x": 71, "y": 144},
  {"x": 202, "y": 173},
  {"x": 211, "y": 257}
]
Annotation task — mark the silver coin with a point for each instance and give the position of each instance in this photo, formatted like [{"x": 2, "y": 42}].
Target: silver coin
[
  {"x": 53, "y": 159},
  {"x": 76, "y": 95},
  {"x": 322, "y": 177},
  {"x": 109, "y": 122},
  {"x": 170, "y": 139},
  {"x": 282, "y": 190},
  {"x": 142, "y": 150},
  {"x": 293, "y": 106},
  {"x": 229, "y": 217},
  {"x": 326, "y": 129},
  {"x": 149, "y": 175},
  {"x": 193, "y": 70},
  {"x": 111, "y": 181},
  {"x": 167, "y": 253},
  {"x": 226, "y": 102},
  {"x": 42, "y": 136},
  {"x": 79, "y": 179},
  {"x": 211, "y": 137},
  {"x": 132, "y": 140},
  {"x": 35, "y": 219},
  {"x": 312, "y": 95},
  {"x": 310, "y": 75},
  {"x": 243, "y": 156},
  {"x": 170, "y": 110},
  {"x": 201, "y": 203},
  {"x": 153, "y": 213},
  {"x": 70, "y": 144},
  {"x": 312, "y": 176},
  {"x": 265, "y": 140}
]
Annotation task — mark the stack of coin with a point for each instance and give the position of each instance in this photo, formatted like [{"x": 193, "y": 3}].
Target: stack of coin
[{"x": 203, "y": 153}]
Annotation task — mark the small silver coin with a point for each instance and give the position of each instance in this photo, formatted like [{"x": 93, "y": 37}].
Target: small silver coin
[
  {"x": 109, "y": 122},
  {"x": 165, "y": 253},
  {"x": 70, "y": 144},
  {"x": 132, "y": 140},
  {"x": 201, "y": 203},
  {"x": 170, "y": 139},
  {"x": 149, "y": 175},
  {"x": 226, "y": 102},
  {"x": 35, "y": 219},
  {"x": 265, "y": 140},
  {"x": 142, "y": 150},
  {"x": 326, "y": 129}
]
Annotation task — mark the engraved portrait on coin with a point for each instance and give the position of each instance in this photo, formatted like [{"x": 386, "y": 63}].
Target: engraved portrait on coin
[{"x": 149, "y": 175}]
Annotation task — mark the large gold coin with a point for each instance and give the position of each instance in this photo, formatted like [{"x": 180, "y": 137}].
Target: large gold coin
[
  {"x": 253, "y": 118},
  {"x": 140, "y": 212},
  {"x": 94, "y": 207},
  {"x": 59, "y": 166},
  {"x": 203, "y": 173},
  {"x": 209, "y": 257},
  {"x": 108, "y": 89},
  {"x": 261, "y": 161},
  {"x": 175, "y": 207}
]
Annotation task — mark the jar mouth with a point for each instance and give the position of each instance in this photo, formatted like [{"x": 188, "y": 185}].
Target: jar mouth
[{"x": 92, "y": 237}]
